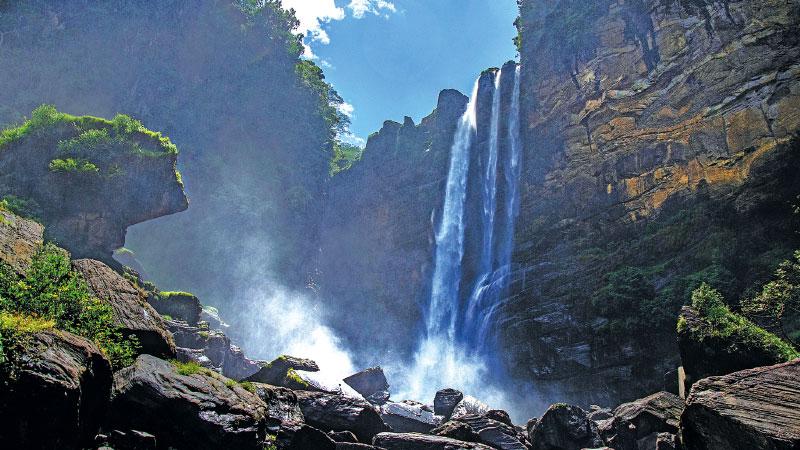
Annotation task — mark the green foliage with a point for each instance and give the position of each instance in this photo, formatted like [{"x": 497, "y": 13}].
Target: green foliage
[
  {"x": 189, "y": 368},
  {"x": 22, "y": 207},
  {"x": 623, "y": 299},
  {"x": 778, "y": 303},
  {"x": 248, "y": 386},
  {"x": 51, "y": 291},
  {"x": 344, "y": 156},
  {"x": 732, "y": 327},
  {"x": 71, "y": 165},
  {"x": 42, "y": 117}
]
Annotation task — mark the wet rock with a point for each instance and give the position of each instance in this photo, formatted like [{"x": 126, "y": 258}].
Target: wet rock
[
  {"x": 210, "y": 315},
  {"x": 657, "y": 441},
  {"x": 499, "y": 415},
  {"x": 469, "y": 406},
  {"x": 131, "y": 310},
  {"x": 415, "y": 441},
  {"x": 200, "y": 410},
  {"x": 282, "y": 372},
  {"x": 336, "y": 412},
  {"x": 343, "y": 436},
  {"x": 54, "y": 392},
  {"x": 379, "y": 398},
  {"x": 639, "y": 419},
  {"x": 20, "y": 239},
  {"x": 131, "y": 440},
  {"x": 446, "y": 401},
  {"x": 756, "y": 408},
  {"x": 282, "y": 405},
  {"x": 355, "y": 446},
  {"x": 212, "y": 349},
  {"x": 409, "y": 418},
  {"x": 459, "y": 431},
  {"x": 178, "y": 305},
  {"x": 564, "y": 427},
  {"x": 493, "y": 433},
  {"x": 299, "y": 436},
  {"x": 368, "y": 382}
]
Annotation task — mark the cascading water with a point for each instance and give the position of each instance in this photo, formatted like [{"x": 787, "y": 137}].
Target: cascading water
[{"x": 452, "y": 352}]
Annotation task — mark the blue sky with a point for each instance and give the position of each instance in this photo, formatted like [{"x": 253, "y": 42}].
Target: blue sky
[{"x": 390, "y": 58}]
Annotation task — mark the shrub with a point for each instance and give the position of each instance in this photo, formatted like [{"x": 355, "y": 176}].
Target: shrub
[
  {"x": 51, "y": 291},
  {"x": 189, "y": 368},
  {"x": 778, "y": 303},
  {"x": 71, "y": 165},
  {"x": 22, "y": 207},
  {"x": 41, "y": 117}
]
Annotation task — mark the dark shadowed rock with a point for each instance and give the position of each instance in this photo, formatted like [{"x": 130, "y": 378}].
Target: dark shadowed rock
[
  {"x": 446, "y": 401},
  {"x": 20, "y": 239},
  {"x": 564, "y": 427},
  {"x": 459, "y": 431},
  {"x": 299, "y": 436},
  {"x": 212, "y": 349},
  {"x": 336, "y": 412},
  {"x": 598, "y": 413},
  {"x": 202, "y": 410},
  {"x": 131, "y": 440},
  {"x": 756, "y": 408},
  {"x": 282, "y": 404},
  {"x": 54, "y": 392},
  {"x": 280, "y": 370},
  {"x": 355, "y": 446},
  {"x": 368, "y": 382},
  {"x": 178, "y": 305},
  {"x": 409, "y": 418},
  {"x": 499, "y": 415},
  {"x": 634, "y": 421},
  {"x": 131, "y": 311},
  {"x": 342, "y": 436},
  {"x": 657, "y": 441},
  {"x": 493, "y": 433},
  {"x": 415, "y": 441}
]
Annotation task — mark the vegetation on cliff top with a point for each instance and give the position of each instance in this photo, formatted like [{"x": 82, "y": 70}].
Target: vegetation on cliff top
[{"x": 52, "y": 294}]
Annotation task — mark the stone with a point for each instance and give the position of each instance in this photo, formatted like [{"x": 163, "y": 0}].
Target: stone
[
  {"x": 459, "y": 431},
  {"x": 337, "y": 412},
  {"x": 368, "y": 382},
  {"x": 131, "y": 311},
  {"x": 282, "y": 405},
  {"x": 409, "y": 418},
  {"x": 564, "y": 427},
  {"x": 20, "y": 239},
  {"x": 56, "y": 392},
  {"x": 755, "y": 408},
  {"x": 416, "y": 441},
  {"x": 281, "y": 371},
  {"x": 469, "y": 406},
  {"x": 493, "y": 433},
  {"x": 132, "y": 440},
  {"x": 446, "y": 401},
  {"x": 639, "y": 419},
  {"x": 299, "y": 436},
  {"x": 499, "y": 415},
  {"x": 202, "y": 410},
  {"x": 343, "y": 436},
  {"x": 178, "y": 305}
]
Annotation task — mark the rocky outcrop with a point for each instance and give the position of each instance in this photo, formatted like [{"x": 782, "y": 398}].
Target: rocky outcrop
[
  {"x": 638, "y": 424},
  {"x": 199, "y": 410},
  {"x": 370, "y": 383},
  {"x": 336, "y": 412},
  {"x": 756, "y": 408},
  {"x": 298, "y": 436},
  {"x": 459, "y": 431},
  {"x": 408, "y": 417},
  {"x": 177, "y": 305},
  {"x": 414, "y": 441},
  {"x": 445, "y": 402},
  {"x": 282, "y": 404},
  {"x": 212, "y": 349},
  {"x": 564, "y": 427},
  {"x": 54, "y": 391},
  {"x": 20, "y": 239},
  {"x": 493, "y": 433},
  {"x": 283, "y": 371},
  {"x": 132, "y": 313},
  {"x": 87, "y": 206}
]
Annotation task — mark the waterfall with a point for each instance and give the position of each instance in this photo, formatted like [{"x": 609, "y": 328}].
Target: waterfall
[{"x": 454, "y": 350}]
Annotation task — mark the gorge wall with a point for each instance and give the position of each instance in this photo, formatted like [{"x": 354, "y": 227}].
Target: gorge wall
[{"x": 660, "y": 146}]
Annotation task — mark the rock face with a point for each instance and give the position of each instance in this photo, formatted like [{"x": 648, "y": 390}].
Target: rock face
[
  {"x": 445, "y": 402},
  {"x": 187, "y": 411},
  {"x": 124, "y": 188},
  {"x": 20, "y": 239},
  {"x": 564, "y": 427},
  {"x": 756, "y": 408},
  {"x": 704, "y": 353},
  {"x": 414, "y": 441},
  {"x": 212, "y": 349},
  {"x": 643, "y": 419},
  {"x": 282, "y": 404},
  {"x": 299, "y": 436},
  {"x": 178, "y": 305},
  {"x": 54, "y": 392},
  {"x": 132, "y": 313},
  {"x": 335, "y": 412}
]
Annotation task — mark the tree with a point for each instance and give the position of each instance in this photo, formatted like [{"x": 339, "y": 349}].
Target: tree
[{"x": 778, "y": 304}]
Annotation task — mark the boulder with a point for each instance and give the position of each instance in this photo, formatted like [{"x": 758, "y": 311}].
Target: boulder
[
  {"x": 355, "y": 446},
  {"x": 178, "y": 305},
  {"x": 469, "y": 406},
  {"x": 564, "y": 427},
  {"x": 211, "y": 349},
  {"x": 459, "y": 431},
  {"x": 446, "y": 401},
  {"x": 409, "y": 418},
  {"x": 415, "y": 441},
  {"x": 657, "y": 441},
  {"x": 131, "y": 440},
  {"x": 755, "y": 408},
  {"x": 54, "y": 391},
  {"x": 282, "y": 371},
  {"x": 499, "y": 415},
  {"x": 493, "y": 433},
  {"x": 299, "y": 436},
  {"x": 200, "y": 410},
  {"x": 132, "y": 313},
  {"x": 20, "y": 239},
  {"x": 336, "y": 412},
  {"x": 368, "y": 382},
  {"x": 598, "y": 413},
  {"x": 634, "y": 421},
  {"x": 343, "y": 436},
  {"x": 282, "y": 404}
]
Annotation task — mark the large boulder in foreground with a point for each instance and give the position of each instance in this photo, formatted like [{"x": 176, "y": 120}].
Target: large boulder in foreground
[
  {"x": 336, "y": 412},
  {"x": 409, "y": 417},
  {"x": 132, "y": 313},
  {"x": 282, "y": 404},
  {"x": 415, "y": 441},
  {"x": 446, "y": 401},
  {"x": 198, "y": 410},
  {"x": 54, "y": 392},
  {"x": 20, "y": 239},
  {"x": 643, "y": 418},
  {"x": 368, "y": 382},
  {"x": 564, "y": 427},
  {"x": 751, "y": 409}
]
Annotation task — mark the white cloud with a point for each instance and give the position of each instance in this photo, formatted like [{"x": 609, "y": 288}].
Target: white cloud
[
  {"x": 377, "y": 7},
  {"x": 345, "y": 108},
  {"x": 312, "y": 14}
]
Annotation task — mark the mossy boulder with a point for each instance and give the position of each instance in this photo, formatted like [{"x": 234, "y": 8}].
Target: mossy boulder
[
  {"x": 283, "y": 372},
  {"x": 178, "y": 305}
]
